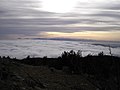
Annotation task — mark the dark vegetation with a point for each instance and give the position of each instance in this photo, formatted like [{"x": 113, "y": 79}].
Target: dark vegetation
[{"x": 101, "y": 70}]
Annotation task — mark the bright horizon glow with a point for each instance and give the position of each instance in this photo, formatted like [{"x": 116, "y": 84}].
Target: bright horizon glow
[
  {"x": 95, "y": 35},
  {"x": 58, "y": 6}
]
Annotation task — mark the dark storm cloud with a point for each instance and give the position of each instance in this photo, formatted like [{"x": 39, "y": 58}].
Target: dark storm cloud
[{"x": 25, "y": 17}]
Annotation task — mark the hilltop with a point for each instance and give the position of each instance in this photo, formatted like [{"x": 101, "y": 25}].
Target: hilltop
[{"x": 70, "y": 71}]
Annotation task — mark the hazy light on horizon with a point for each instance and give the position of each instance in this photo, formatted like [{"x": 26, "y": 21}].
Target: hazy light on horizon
[{"x": 96, "y": 35}]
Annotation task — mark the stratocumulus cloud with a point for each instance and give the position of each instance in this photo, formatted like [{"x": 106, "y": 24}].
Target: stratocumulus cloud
[{"x": 22, "y": 18}]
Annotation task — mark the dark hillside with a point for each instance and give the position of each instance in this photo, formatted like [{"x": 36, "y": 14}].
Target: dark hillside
[{"x": 102, "y": 71}]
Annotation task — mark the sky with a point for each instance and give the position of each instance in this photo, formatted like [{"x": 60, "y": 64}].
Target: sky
[{"x": 81, "y": 19}]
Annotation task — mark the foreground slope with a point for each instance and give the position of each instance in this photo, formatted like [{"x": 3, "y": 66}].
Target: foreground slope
[{"x": 17, "y": 76}]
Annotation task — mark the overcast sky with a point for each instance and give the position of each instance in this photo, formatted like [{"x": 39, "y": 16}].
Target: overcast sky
[{"x": 87, "y": 19}]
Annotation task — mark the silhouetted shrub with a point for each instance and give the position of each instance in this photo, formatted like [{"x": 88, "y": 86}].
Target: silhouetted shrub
[{"x": 101, "y": 54}]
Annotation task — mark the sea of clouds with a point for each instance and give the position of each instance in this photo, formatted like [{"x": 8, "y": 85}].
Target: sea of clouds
[{"x": 54, "y": 48}]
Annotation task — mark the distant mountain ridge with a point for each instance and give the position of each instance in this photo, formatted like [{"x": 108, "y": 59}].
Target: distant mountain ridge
[
  {"x": 68, "y": 39},
  {"x": 62, "y": 39}
]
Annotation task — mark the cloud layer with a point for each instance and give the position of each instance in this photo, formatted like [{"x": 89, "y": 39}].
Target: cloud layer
[{"x": 19, "y": 18}]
